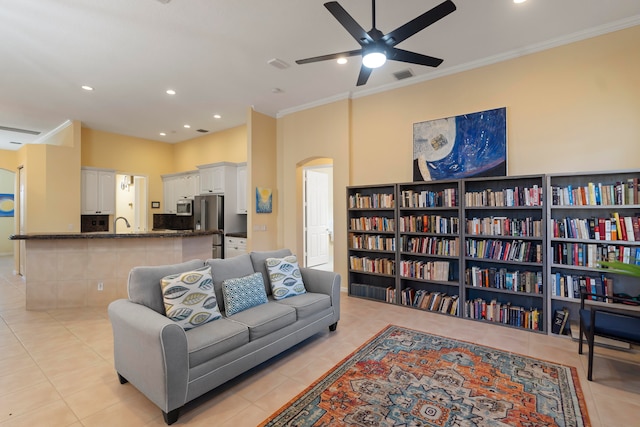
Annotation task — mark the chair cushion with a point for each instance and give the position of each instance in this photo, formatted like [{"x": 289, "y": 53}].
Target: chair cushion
[
  {"x": 144, "y": 282},
  {"x": 258, "y": 260},
  {"x": 266, "y": 318},
  {"x": 307, "y": 304},
  {"x": 613, "y": 325},
  {"x": 189, "y": 298},
  {"x": 284, "y": 277},
  {"x": 213, "y": 339},
  {"x": 242, "y": 293}
]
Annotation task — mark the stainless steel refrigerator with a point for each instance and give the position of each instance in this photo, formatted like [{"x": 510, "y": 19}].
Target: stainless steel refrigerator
[{"x": 208, "y": 213}]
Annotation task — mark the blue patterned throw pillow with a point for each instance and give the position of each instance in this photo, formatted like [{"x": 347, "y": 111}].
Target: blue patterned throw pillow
[
  {"x": 189, "y": 298},
  {"x": 243, "y": 292},
  {"x": 285, "y": 277}
]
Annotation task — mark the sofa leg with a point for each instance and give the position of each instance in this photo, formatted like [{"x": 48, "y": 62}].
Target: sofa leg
[
  {"x": 122, "y": 379},
  {"x": 333, "y": 327},
  {"x": 171, "y": 416}
]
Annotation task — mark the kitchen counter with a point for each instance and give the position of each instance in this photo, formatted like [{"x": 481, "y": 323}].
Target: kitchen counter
[
  {"x": 120, "y": 235},
  {"x": 242, "y": 234},
  {"x": 71, "y": 270}
]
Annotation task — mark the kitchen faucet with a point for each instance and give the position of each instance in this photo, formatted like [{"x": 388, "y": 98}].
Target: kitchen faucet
[{"x": 115, "y": 221}]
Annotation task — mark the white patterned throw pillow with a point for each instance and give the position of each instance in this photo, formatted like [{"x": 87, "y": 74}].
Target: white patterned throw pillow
[
  {"x": 243, "y": 292},
  {"x": 189, "y": 298},
  {"x": 285, "y": 277}
]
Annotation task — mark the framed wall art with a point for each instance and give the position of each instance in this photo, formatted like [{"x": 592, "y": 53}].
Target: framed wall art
[{"x": 462, "y": 146}]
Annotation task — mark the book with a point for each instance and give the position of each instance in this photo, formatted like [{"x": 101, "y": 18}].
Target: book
[{"x": 560, "y": 318}]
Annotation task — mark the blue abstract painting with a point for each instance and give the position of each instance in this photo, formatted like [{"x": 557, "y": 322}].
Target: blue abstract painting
[
  {"x": 463, "y": 146},
  {"x": 6, "y": 204},
  {"x": 264, "y": 200}
]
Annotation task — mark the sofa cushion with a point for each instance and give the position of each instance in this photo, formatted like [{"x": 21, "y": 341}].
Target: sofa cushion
[
  {"x": 189, "y": 298},
  {"x": 144, "y": 282},
  {"x": 284, "y": 277},
  {"x": 258, "y": 260},
  {"x": 213, "y": 339},
  {"x": 307, "y": 304},
  {"x": 230, "y": 268},
  {"x": 266, "y": 318},
  {"x": 241, "y": 293}
]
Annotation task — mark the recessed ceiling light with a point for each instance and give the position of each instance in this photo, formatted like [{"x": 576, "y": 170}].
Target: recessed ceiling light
[
  {"x": 187, "y": 126},
  {"x": 85, "y": 87},
  {"x": 342, "y": 61},
  {"x": 519, "y": 1},
  {"x": 171, "y": 92},
  {"x": 163, "y": 134},
  {"x": 217, "y": 116}
]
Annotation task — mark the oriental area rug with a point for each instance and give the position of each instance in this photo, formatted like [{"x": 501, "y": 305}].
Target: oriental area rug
[{"x": 407, "y": 378}]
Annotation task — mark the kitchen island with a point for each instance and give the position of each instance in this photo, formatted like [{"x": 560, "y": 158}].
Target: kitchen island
[{"x": 70, "y": 270}]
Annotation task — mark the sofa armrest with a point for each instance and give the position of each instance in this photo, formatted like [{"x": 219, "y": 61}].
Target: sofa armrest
[
  {"x": 150, "y": 351},
  {"x": 323, "y": 282}
]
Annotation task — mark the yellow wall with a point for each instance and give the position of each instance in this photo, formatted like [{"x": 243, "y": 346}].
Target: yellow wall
[
  {"x": 571, "y": 108},
  {"x": 132, "y": 156},
  {"x": 321, "y": 132},
  {"x": 225, "y": 146},
  {"x": 9, "y": 160},
  {"x": 262, "y": 173}
]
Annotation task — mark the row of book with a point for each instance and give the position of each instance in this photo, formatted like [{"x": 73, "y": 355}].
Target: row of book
[
  {"x": 427, "y": 270},
  {"x": 431, "y": 301},
  {"x": 372, "y": 223},
  {"x": 590, "y": 254},
  {"x": 501, "y": 278},
  {"x": 430, "y": 245},
  {"x": 447, "y": 198},
  {"x": 369, "y": 291},
  {"x": 376, "y": 265},
  {"x": 505, "y": 313},
  {"x": 503, "y": 226},
  {"x": 429, "y": 224},
  {"x": 373, "y": 242},
  {"x": 571, "y": 285},
  {"x": 504, "y": 250},
  {"x": 517, "y": 196},
  {"x": 616, "y": 227},
  {"x": 597, "y": 194},
  {"x": 374, "y": 201}
]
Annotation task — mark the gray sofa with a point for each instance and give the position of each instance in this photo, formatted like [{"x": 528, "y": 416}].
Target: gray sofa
[{"x": 171, "y": 366}]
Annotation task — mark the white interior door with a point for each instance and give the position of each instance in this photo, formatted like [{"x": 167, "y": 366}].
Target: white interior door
[
  {"x": 317, "y": 217},
  {"x": 140, "y": 203}
]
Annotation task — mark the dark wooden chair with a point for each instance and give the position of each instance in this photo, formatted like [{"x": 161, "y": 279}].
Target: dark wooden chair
[{"x": 619, "y": 321}]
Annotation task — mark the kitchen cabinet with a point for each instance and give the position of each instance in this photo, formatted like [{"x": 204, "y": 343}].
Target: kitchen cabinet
[
  {"x": 234, "y": 246},
  {"x": 98, "y": 191},
  {"x": 184, "y": 185},
  {"x": 217, "y": 178},
  {"x": 242, "y": 188}
]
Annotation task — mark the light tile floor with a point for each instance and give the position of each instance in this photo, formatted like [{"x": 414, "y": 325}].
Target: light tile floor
[{"x": 56, "y": 367}]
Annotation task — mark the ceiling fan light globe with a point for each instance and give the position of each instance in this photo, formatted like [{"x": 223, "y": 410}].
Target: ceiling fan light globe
[{"x": 374, "y": 59}]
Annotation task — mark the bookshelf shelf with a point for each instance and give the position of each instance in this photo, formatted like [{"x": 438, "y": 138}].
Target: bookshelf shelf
[{"x": 592, "y": 217}]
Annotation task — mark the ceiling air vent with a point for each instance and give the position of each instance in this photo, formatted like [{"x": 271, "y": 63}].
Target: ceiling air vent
[
  {"x": 202, "y": 131},
  {"x": 15, "y": 142},
  {"x": 278, "y": 63},
  {"x": 30, "y": 132},
  {"x": 404, "y": 74}
]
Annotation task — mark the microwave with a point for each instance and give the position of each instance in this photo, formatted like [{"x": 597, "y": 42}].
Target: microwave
[{"x": 184, "y": 207}]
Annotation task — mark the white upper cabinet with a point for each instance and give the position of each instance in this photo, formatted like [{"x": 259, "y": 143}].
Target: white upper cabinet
[
  {"x": 98, "y": 191},
  {"x": 216, "y": 178},
  {"x": 242, "y": 188}
]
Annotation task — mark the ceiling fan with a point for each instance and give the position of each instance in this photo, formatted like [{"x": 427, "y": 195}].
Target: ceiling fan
[{"x": 377, "y": 47}]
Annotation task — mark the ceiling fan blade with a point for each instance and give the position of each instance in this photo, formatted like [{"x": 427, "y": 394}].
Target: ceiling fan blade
[
  {"x": 365, "y": 72},
  {"x": 418, "y": 24},
  {"x": 396, "y": 54},
  {"x": 350, "y": 24},
  {"x": 330, "y": 56}
]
